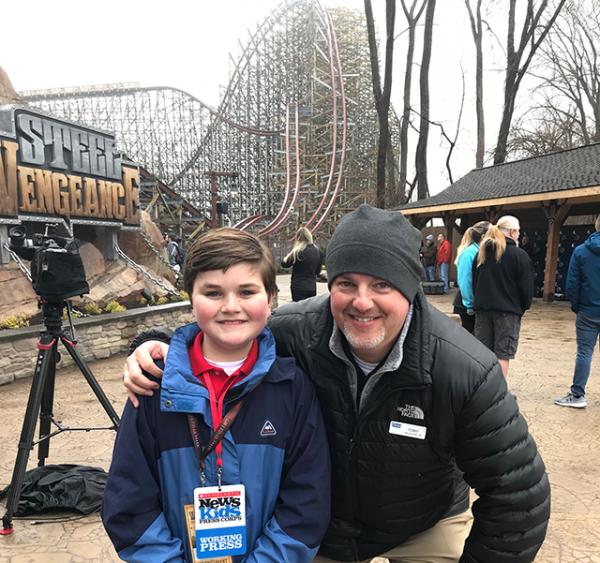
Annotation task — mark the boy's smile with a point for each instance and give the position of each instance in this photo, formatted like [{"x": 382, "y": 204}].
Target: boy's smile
[{"x": 231, "y": 308}]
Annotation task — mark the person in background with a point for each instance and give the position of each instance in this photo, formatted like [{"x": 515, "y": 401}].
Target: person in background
[
  {"x": 526, "y": 245},
  {"x": 222, "y": 372},
  {"x": 305, "y": 261},
  {"x": 428, "y": 257},
  {"x": 172, "y": 252},
  {"x": 465, "y": 256},
  {"x": 414, "y": 407},
  {"x": 444, "y": 255},
  {"x": 503, "y": 289},
  {"x": 583, "y": 291}
]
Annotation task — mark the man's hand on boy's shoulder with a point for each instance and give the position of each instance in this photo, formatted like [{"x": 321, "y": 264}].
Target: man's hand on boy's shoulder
[{"x": 142, "y": 359}]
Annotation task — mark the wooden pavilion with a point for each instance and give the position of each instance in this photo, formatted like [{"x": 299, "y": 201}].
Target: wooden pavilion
[{"x": 542, "y": 192}]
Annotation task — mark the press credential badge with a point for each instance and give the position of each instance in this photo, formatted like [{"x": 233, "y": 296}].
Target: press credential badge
[{"x": 220, "y": 514}]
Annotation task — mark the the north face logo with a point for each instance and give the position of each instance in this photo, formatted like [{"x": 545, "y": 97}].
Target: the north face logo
[
  {"x": 411, "y": 411},
  {"x": 268, "y": 429}
]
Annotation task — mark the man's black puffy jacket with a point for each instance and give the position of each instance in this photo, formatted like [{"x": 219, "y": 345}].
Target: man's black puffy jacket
[{"x": 388, "y": 487}]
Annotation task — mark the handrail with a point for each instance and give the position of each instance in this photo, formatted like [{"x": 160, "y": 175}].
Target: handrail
[{"x": 141, "y": 270}]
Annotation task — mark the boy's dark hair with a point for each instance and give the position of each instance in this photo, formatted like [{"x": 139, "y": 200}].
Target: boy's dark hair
[{"x": 219, "y": 249}]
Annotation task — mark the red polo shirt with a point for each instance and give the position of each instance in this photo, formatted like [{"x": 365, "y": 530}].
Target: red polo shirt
[{"x": 220, "y": 380}]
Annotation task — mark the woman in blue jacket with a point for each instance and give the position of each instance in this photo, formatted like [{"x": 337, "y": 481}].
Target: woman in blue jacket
[{"x": 465, "y": 256}]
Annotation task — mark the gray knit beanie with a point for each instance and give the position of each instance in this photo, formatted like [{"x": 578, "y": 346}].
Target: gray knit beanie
[{"x": 378, "y": 243}]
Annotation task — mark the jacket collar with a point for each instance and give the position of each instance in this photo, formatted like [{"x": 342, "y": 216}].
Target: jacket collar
[
  {"x": 414, "y": 368},
  {"x": 392, "y": 361},
  {"x": 182, "y": 392}
]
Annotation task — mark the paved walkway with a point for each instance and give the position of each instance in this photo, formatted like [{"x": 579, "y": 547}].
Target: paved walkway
[{"x": 568, "y": 439}]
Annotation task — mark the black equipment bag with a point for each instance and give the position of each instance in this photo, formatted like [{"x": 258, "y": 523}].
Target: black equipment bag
[
  {"x": 433, "y": 287},
  {"x": 58, "y": 275},
  {"x": 61, "y": 487}
]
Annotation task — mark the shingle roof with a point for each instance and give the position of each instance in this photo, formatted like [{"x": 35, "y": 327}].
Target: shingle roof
[{"x": 573, "y": 168}]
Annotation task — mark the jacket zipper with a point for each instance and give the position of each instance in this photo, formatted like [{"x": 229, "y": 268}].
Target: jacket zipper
[{"x": 360, "y": 422}]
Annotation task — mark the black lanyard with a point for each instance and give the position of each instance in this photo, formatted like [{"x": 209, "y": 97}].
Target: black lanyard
[{"x": 203, "y": 452}]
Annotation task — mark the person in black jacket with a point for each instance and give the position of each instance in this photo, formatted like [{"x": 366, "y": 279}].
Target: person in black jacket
[
  {"x": 305, "y": 261},
  {"x": 503, "y": 289},
  {"x": 416, "y": 411},
  {"x": 428, "y": 256}
]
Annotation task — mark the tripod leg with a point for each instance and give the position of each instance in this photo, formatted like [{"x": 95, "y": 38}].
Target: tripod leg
[
  {"x": 92, "y": 382},
  {"x": 46, "y": 408},
  {"x": 45, "y": 360}
]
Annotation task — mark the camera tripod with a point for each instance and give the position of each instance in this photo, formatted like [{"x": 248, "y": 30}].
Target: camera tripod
[{"x": 41, "y": 398}]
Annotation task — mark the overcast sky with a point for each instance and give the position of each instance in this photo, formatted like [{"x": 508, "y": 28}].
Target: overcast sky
[{"x": 186, "y": 44}]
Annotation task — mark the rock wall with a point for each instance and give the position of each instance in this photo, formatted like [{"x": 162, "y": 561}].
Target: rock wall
[{"x": 98, "y": 337}]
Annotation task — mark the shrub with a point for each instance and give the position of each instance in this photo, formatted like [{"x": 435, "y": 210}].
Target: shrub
[
  {"x": 162, "y": 300},
  {"x": 14, "y": 321},
  {"x": 75, "y": 313},
  {"x": 177, "y": 297},
  {"x": 91, "y": 308},
  {"x": 114, "y": 307}
]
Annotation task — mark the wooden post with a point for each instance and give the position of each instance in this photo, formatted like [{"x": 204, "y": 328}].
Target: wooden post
[
  {"x": 492, "y": 214},
  {"x": 556, "y": 214},
  {"x": 212, "y": 174}
]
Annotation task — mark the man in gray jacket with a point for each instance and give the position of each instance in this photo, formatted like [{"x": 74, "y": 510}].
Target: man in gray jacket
[{"x": 415, "y": 409}]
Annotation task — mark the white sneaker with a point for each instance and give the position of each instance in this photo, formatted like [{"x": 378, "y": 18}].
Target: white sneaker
[{"x": 571, "y": 400}]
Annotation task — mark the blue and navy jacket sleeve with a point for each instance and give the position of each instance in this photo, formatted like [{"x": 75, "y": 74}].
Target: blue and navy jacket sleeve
[
  {"x": 302, "y": 510},
  {"x": 464, "y": 270},
  {"x": 574, "y": 280},
  {"x": 132, "y": 508}
]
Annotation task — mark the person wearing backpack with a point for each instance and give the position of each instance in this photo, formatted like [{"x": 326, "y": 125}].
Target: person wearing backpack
[
  {"x": 179, "y": 253},
  {"x": 174, "y": 253}
]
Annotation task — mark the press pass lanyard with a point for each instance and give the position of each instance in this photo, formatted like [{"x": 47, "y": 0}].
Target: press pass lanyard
[{"x": 220, "y": 425}]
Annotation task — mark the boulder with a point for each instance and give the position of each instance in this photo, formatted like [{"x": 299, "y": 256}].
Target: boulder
[
  {"x": 134, "y": 245},
  {"x": 8, "y": 95}
]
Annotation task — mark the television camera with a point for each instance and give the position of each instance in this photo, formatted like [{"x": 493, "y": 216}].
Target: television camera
[{"x": 57, "y": 271}]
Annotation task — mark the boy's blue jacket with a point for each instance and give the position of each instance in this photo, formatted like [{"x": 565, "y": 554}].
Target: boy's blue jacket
[{"x": 155, "y": 470}]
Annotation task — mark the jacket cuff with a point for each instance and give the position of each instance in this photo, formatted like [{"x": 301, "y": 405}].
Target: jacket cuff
[{"x": 158, "y": 333}]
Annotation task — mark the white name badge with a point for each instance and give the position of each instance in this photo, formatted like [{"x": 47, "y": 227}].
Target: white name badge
[
  {"x": 220, "y": 519},
  {"x": 409, "y": 430}
]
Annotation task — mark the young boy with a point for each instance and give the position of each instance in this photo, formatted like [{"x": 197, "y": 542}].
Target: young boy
[{"x": 273, "y": 458}]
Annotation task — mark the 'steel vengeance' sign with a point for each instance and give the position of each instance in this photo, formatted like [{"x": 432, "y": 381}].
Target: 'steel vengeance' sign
[{"x": 50, "y": 167}]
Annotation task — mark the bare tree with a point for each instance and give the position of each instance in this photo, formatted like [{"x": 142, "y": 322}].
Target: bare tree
[
  {"x": 421, "y": 154},
  {"x": 477, "y": 31},
  {"x": 552, "y": 129},
  {"x": 382, "y": 96},
  {"x": 571, "y": 52},
  {"x": 518, "y": 59},
  {"x": 569, "y": 112},
  {"x": 450, "y": 140},
  {"x": 412, "y": 14}
]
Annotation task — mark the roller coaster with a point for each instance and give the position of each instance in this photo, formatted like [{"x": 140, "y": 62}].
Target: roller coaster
[{"x": 293, "y": 140}]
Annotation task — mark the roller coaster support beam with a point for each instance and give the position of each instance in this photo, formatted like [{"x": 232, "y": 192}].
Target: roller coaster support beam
[{"x": 212, "y": 174}]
